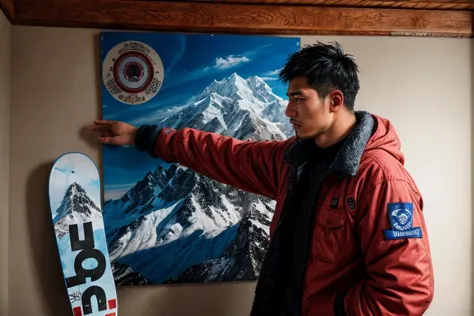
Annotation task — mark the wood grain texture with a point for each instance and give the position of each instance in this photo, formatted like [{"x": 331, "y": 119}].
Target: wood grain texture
[
  {"x": 318, "y": 2},
  {"x": 241, "y": 18},
  {"x": 407, "y": 4},
  {"x": 8, "y": 9}
]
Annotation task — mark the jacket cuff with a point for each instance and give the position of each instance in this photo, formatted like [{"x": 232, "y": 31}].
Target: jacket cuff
[
  {"x": 339, "y": 309},
  {"x": 145, "y": 139}
]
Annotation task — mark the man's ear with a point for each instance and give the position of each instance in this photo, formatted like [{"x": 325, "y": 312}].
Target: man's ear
[{"x": 336, "y": 98}]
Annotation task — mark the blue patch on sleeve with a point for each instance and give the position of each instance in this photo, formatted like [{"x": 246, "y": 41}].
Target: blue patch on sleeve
[{"x": 401, "y": 220}]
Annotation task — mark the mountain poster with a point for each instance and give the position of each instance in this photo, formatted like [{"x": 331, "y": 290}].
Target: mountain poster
[{"x": 165, "y": 223}]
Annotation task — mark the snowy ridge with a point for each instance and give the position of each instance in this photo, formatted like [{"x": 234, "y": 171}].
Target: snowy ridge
[
  {"x": 75, "y": 207},
  {"x": 245, "y": 109},
  {"x": 176, "y": 225}
]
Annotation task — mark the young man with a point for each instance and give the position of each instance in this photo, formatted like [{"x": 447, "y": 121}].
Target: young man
[{"x": 348, "y": 235}]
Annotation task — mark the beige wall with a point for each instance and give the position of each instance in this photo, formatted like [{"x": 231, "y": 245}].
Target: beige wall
[
  {"x": 5, "y": 102},
  {"x": 422, "y": 85}
]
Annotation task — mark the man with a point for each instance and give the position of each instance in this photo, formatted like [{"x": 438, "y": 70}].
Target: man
[{"x": 348, "y": 235}]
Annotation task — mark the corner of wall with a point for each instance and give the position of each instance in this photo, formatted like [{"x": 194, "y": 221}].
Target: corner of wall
[
  {"x": 5, "y": 106},
  {"x": 471, "y": 65}
]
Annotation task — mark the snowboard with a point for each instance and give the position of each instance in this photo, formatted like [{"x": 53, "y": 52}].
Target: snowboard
[{"x": 74, "y": 196}]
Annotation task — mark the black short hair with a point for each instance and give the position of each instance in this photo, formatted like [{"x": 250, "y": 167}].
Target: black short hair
[{"x": 327, "y": 68}]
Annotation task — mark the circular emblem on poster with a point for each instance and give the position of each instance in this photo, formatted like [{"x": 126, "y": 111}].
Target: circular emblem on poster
[{"x": 132, "y": 72}]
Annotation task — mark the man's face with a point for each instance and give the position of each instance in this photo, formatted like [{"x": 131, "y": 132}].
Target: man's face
[{"x": 309, "y": 115}]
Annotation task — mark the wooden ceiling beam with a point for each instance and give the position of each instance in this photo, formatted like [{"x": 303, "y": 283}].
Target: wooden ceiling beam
[
  {"x": 243, "y": 18},
  {"x": 400, "y": 4},
  {"x": 318, "y": 2},
  {"x": 8, "y": 9}
]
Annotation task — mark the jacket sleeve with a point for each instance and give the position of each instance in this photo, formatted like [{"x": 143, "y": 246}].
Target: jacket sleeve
[
  {"x": 393, "y": 236},
  {"x": 250, "y": 166}
]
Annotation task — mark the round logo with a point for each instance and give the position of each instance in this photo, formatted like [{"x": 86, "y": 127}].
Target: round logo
[
  {"x": 132, "y": 72},
  {"x": 401, "y": 219}
]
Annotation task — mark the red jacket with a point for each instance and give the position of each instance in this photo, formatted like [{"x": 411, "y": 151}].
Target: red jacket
[{"x": 373, "y": 248}]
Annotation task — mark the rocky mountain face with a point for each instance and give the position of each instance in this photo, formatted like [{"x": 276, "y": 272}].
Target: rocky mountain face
[
  {"x": 178, "y": 226},
  {"x": 76, "y": 206}
]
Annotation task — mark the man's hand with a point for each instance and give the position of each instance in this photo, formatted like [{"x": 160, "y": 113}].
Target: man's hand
[{"x": 115, "y": 132}]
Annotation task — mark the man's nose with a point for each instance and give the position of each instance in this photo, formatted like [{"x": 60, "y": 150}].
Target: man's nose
[{"x": 290, "y": 110}]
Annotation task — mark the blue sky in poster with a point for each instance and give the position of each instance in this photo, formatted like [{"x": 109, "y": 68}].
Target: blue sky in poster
[{"x": 191, "y": 63}]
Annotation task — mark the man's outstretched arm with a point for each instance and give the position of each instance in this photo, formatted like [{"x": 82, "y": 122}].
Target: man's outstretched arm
[{"x": 251, "y": 166}]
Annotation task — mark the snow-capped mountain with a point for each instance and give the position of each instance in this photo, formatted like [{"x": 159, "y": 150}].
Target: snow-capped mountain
[
  {"x": 242, "y": 259},
  {"x": 176, "y": 225},
  {"x": 75, "y": 207},
  {"x": 245, "y": 109}
]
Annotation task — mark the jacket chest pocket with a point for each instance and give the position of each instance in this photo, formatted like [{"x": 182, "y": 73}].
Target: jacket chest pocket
[{"x": 328, "y": 234}]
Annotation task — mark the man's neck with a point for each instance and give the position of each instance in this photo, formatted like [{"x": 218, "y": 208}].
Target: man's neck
[{"x": 339, "y": 130}]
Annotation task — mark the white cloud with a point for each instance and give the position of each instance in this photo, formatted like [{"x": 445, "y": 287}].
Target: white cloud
[
  {"x": 230, "y": 61},
  {"x": 272, "y": 72},
  {"x": 268, "y": 78}
]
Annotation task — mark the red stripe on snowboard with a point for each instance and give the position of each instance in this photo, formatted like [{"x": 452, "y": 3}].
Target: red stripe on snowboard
[
  {"x": 77, "y": 311},
  {"x": 112, "y": 304}
]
